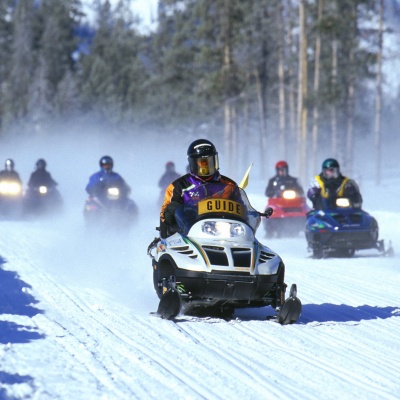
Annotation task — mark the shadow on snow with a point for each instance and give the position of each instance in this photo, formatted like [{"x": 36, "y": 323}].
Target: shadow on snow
[
  {"x": 324, "y": 313},
  {"x": 12, "y": 379},
  {"x": 327, "y": 312},
  {"x": 14, "y": 300}
]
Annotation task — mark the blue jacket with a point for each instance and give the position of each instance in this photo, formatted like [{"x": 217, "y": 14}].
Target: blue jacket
[{"x": 102, "y": 180}]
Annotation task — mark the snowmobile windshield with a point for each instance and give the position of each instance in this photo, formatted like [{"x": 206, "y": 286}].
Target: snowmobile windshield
[{"x": 239, "y": 209}]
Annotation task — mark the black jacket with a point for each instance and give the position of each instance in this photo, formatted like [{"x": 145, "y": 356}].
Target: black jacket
[
  {"x": 41, "y": 178},
  {"x": 277, "y": 184}
]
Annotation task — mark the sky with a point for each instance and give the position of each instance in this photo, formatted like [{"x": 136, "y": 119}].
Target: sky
[{"x": 145, "y": 9}]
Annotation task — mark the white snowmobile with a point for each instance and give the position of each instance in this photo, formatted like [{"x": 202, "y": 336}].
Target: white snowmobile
[{"x": 213, "y": 262}]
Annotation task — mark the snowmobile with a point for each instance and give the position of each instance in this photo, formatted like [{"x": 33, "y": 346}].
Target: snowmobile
[
  {"x": 10, "y": 198},
  {"x": 112, "y": 207},
  {"x": 213, "y": 263},
  {"x": 42, "y": 200},
  {"x": 341, "y": 230},
  {"x": 289, "y": 216}
]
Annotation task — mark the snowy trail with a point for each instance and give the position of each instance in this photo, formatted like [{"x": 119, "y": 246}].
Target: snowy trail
[{"x": 89, "y": 333}]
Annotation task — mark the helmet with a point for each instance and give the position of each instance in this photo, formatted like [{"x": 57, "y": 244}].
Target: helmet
[
  {"x": 330, "y": 168},
  {"x": 170, "y": 166},
  {"x": 41, "y": 164},
  {"x": 107, "y": 163},
  {"x": 9, "y": 164},
  {"x": 203, "y": 158},
  {"x": 282, "y": 168}
]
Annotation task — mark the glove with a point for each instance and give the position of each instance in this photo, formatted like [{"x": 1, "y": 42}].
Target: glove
[{"x": 169, "y": 213}]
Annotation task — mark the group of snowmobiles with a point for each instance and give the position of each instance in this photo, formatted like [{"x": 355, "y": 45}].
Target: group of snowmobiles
[
  {"x": 337, "y": 227},
  {"x": 35, "y": 201},
  {"x": 213, "y": 263},
  {"x": 108, "y": 203}
]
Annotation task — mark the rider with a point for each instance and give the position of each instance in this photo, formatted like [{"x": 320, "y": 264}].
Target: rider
[
  {"x": 203, "y": 181},
  {"x": 331, "y": 184},
  {"x": 41, "y": 177},
  {"x": 106, "y": 177},
  {"x": 169, "y": 176},
  {"x": 282, "y": 181},
  {"x": 9, "y": 173}
]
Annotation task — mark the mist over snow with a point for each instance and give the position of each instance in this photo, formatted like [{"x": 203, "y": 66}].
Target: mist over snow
[{"x": 75, "y": 303}]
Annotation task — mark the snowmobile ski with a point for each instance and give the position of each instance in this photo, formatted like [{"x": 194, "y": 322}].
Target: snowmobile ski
[
  {"x": 291, "y": 310},
  {"x": 170, "y": 304}
]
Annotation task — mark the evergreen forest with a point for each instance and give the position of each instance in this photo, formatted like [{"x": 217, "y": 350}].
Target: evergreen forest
[{"x": 282, "y": 78}]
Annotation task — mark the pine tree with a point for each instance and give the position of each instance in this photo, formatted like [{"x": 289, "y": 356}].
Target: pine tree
[
  {"x": 22, "y": 62},
  {"x": 112, "y": 73},
  {"x": 5, "y": 50}
]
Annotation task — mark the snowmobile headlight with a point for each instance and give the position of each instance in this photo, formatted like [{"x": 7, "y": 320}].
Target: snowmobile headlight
[
  {"x": 223, "y": 229},
  {"x": 10, "y": 188},
  {"x": 289, "y": 194},
  {"x": 42, "y": 189},
  {"x": 113, "y": 193},
  {"x": 343, "y": 202}
]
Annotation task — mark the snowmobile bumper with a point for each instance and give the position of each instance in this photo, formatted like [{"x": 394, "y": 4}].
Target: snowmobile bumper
[
  {"x": 236, "y": 288},
  {"x": 342, "y": 240}
]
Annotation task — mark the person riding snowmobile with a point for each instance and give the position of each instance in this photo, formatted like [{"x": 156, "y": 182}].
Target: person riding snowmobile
[
  {"x": 106, "y": 177},
  {"x": 41, "y": 177},
  {"x": 9, "y": 173},
  {"x": 282, "y": 181},
  {"x": 169, "y": 176},
  {"x": 331, "y": 184},
  {"x": 203, "y": 181}
]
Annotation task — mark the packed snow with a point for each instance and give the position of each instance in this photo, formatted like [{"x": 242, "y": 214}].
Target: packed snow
[{"x": 75, "y": 305}]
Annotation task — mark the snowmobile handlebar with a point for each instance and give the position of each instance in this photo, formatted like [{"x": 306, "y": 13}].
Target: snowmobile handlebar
[{"x": 268, "y": 212}]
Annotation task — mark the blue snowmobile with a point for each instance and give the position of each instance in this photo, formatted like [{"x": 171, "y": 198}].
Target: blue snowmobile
[{"x": 341, "y": 230}]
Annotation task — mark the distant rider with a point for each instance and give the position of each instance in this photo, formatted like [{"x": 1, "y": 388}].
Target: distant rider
[
  {"x": 100, "y": 181},
  {"x": 282, "y": 181},
  {"x": 203, "y": 181},
  {"x": 330, "y": 184},
  {"x": 9, "y": 173},
  {"x": 41, "y": 177},
  {"x": 169, "y": 176}
]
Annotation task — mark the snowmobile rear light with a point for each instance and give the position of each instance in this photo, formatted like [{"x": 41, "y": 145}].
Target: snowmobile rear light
[
  {"x": 223, "y": 229},
  {"x": 10, "y": 188},
  {"x": 42, "y": 189},
  {"x": 289, "y": 194},
  {"x": 113, "y": 193},
  {"x": 343, "y": 202}
]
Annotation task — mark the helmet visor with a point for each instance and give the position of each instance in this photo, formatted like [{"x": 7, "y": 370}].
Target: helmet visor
[
  {"x": 204, "y": 166},
  {"x": 281, "y": 171},
  {"x": 331, "y": 172},
  {"x": 106, "y": 166}
]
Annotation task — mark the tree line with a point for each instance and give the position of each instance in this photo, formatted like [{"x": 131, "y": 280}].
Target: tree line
[{"x": 284, "y": 78}]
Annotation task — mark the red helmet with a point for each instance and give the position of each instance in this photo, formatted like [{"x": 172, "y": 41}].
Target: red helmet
[
  {"x": 281, "y": 164},
  {"x": 282, "y": 168}
]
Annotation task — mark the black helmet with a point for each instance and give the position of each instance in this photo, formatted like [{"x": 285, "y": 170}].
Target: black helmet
[
  {"x": 9, "y": 164},
  {"x": 203, "y": 158},
  {"x": 107, "y": 163},
  {"x": 41, "y": 164},
  {"x": 330, "y": 168}
]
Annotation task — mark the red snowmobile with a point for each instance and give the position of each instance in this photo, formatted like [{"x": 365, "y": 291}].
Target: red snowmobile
[{"x": 289, "y": 216}]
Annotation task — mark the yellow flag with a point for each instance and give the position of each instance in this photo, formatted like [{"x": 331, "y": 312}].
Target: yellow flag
[{"x": 245, "y": 181}]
